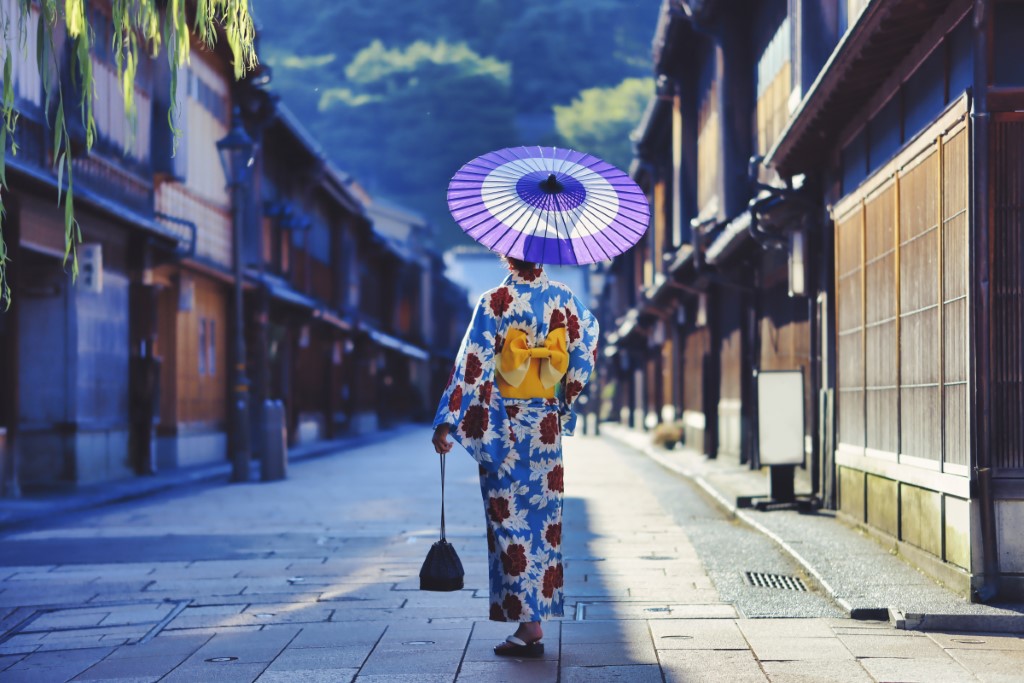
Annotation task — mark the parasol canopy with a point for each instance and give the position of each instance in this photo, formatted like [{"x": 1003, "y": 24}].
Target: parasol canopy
[{"x": 548, "y": 205}]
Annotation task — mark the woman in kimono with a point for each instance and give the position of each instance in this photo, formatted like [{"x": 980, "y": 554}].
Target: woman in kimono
[{"x": 529, "y": 351}]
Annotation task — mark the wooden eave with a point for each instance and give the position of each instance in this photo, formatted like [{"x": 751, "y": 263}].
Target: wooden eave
[{"x": 885, "y": 33}]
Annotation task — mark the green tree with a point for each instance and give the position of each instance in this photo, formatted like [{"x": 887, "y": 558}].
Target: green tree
[
  {"x": 146, "y": 23},
  {"x": 558, "y": 47},
  {"x": 599, "y": 121},
  {"x": 408, "y": 118}
]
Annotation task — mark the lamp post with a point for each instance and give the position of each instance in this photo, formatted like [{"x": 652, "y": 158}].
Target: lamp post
[{"x": 236, "y": 156}]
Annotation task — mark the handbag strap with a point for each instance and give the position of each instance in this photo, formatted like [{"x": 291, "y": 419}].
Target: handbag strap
[{"x": 442, "y": 497}]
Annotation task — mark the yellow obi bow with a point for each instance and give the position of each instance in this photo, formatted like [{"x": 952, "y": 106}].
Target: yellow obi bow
[{"x": 525, "y": 372}]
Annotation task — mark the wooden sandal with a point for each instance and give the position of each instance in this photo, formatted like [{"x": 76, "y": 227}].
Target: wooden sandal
[{"x": 517, "y": 647}]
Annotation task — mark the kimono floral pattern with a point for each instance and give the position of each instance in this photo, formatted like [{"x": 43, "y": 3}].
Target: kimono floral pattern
[{"x": 518, "y": 442}]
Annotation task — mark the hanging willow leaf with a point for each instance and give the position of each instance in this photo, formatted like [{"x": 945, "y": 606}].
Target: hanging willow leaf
[{"x": 160, "y": 24}]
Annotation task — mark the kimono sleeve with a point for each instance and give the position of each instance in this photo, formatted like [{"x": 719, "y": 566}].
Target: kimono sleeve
[
  {"x": 469, "y": 400},
  {"x": 583, "y": 332}
]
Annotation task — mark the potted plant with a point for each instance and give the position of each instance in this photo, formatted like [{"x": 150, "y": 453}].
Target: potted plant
[{"x": 667, "y": 435}]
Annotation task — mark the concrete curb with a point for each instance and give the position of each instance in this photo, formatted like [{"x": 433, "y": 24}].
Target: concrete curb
[
  {"x": 895, "y": 617},
  {"x": 36, "y": 510}
]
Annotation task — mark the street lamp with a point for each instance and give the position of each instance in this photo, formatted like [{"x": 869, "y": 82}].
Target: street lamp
[{"x": 236, "y": 157}]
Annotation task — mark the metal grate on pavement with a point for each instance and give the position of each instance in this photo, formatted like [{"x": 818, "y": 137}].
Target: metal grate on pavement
[{"x": 780, "y": 581}]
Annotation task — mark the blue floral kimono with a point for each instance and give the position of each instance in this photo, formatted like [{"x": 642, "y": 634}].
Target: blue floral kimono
[{"x": 528, "y": 324}]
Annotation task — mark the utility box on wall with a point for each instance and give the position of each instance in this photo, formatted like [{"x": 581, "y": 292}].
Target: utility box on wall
[{"x": 90, "y": 267}]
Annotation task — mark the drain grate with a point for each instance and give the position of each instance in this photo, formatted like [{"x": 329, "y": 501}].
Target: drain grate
[{"x": 780, "y": 581}]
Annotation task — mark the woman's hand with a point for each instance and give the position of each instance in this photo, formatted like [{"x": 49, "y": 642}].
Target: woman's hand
[{"x": 441, "y": 443}]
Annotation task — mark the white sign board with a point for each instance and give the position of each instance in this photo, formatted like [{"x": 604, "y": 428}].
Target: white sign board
[{"x": 780, "y": 417}]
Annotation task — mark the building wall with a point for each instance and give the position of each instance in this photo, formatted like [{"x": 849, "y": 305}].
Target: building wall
[
  {"x": 192, "y": 339},
  {"x": 903, "y": 352},
  {"x": 73, "y": 369},
  {"x": 695, "y": 355},
  {"x": 730, "y": 351}
]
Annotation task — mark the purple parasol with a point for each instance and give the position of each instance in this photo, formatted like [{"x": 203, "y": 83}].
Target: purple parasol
[{"x": 548, "y": 205}]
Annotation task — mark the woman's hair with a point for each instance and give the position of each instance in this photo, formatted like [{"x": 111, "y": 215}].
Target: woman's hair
[{"x": 517, "y": 264}]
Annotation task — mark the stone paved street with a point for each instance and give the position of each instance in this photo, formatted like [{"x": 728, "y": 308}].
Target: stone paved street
[{"x": 313, "y": 579}]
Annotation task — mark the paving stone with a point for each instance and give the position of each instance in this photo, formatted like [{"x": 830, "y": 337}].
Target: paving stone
[
  {"x": 222, "y": 568},
  {"x": 120, "y": 569},
  {"x": 47, "y": 596},
  {"x": 400, "y": 638},
  {"x": 53, "y": 666},
  {"x": 214, "y": 631},
  {"x": 609, "y": 654},
  {"x": 406, "y": 678},
  {"x": 1004, "y": 666},
  {"x": 894, "y": 644},
  {"x": 163, "y": 645},
  {"x": 438, "y": 661},
  {"x": 331, "y": 634},
  {"x": 134, "y": 631},
  {"x": 365, "y": 569},
  {"x": 509, "y": 671},
  {"x": 6, "y": 572},
  {"x": 626, "y": 610},
  {"x": 607, "y": 674},
  {"x": 893, "y": 670},
  {"x": 80, "y": 643},
  {"x": 220, "y": 672},
  {"x": 697, "y": 634},
  {"x": 253, "y": 599},
  {"x": 247, "y": 647},
  {"x": 308, "y": 676},
  {"x": 9, "y": 660},
  {"x": 202, "y": 586},
  {"x": 979, "y": 641},
  {"x": 593, "y": 590},
  {"x": 286, "y": 613},
  {"x": 133, "y": 679},
  {"x": 574, "y": 632},
  {"x": 213, "y": 610},
  {"x": 134, "y": 667},
  {"x": 794, "y": 628},
  {"x": 710, "y": 666},
  {"x": 312, "y": 658},
  {"x": 782, "y": 647},
  {"x": 816, "y": 671}
]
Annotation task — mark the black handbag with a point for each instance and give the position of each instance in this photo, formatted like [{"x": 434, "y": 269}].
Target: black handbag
[{"x": 442, "y": 570}]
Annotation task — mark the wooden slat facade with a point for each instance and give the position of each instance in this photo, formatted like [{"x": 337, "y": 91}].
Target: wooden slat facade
[
  {"x": 193, "y": 346},
  {"x": 901, "y": 299},
  {"x": 708, "y": 142},
  {"x": 1007, "y": 316}
]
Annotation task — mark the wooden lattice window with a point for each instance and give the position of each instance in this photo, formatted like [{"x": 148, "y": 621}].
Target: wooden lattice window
[
  {"x": 956, "y": 351},
  {"x": 774, "y": 81},
  {"x": 708, "y": 153},
  {"x": 880, "y": 321},
  {"x": 850, "y": 326},
  {"x": 920, "y": 394},
  {"x": 901, "y": 299}
]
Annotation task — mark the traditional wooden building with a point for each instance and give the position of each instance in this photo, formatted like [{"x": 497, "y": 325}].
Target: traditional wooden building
[
  {"x": 69, "y": 352},
  {"x": 840, "y": 186},
  {"x": 126, "y": 371}
]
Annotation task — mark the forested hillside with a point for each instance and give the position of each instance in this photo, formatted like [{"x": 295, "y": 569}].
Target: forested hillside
[{"x": 401, "y": 94}]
